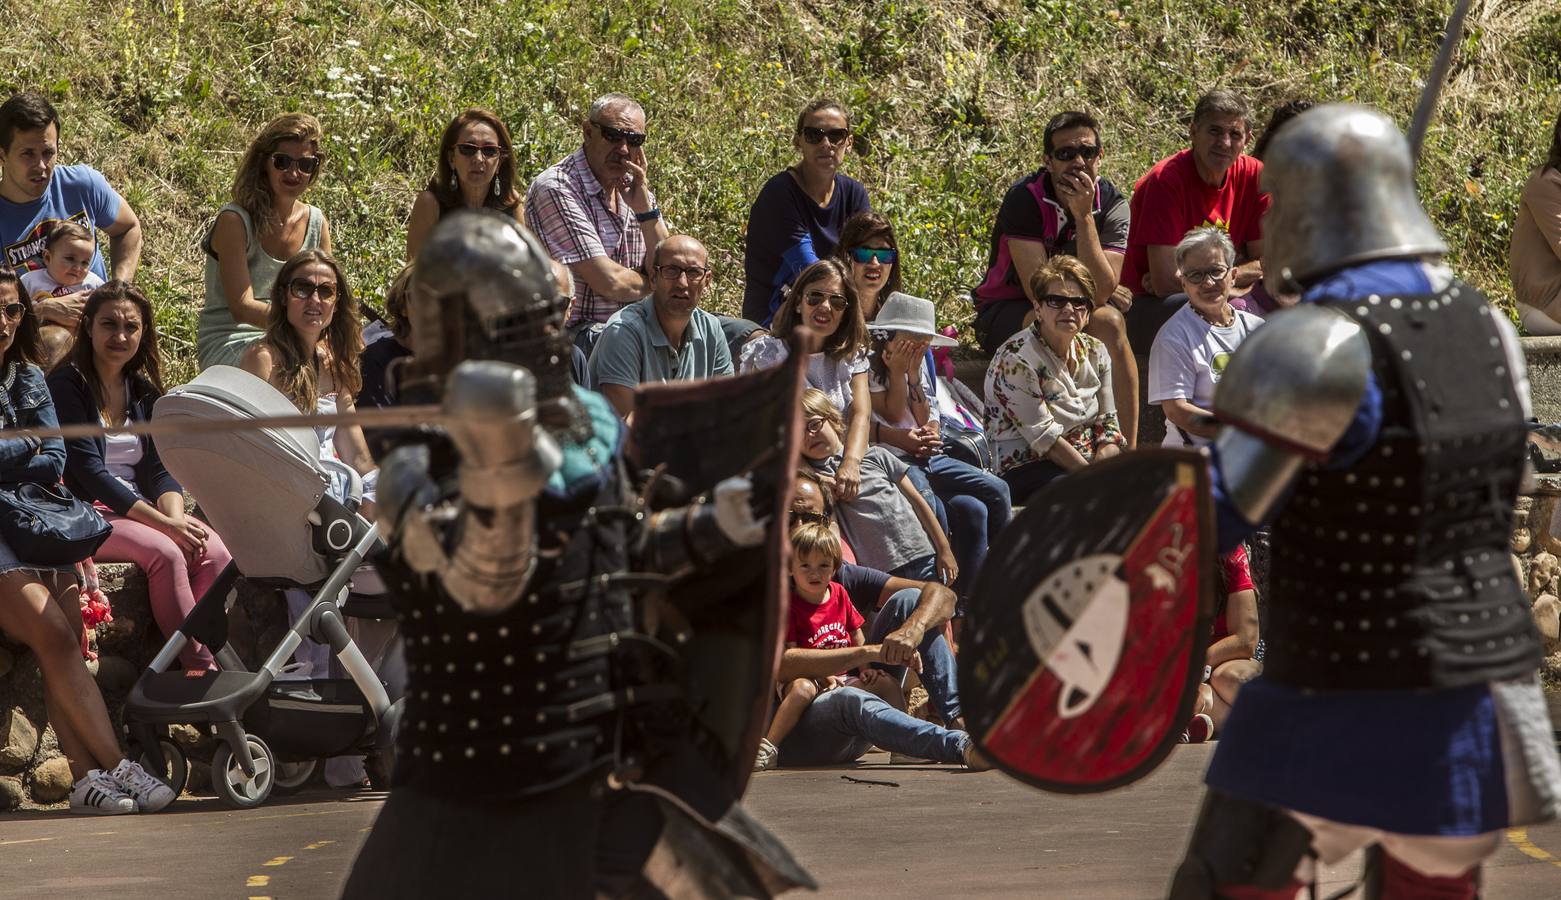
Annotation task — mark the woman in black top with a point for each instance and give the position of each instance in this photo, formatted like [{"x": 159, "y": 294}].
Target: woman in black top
[{"x": 113, "y": 377}]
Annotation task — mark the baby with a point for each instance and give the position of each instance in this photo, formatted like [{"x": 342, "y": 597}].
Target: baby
[{"x": 59, "y": 289}]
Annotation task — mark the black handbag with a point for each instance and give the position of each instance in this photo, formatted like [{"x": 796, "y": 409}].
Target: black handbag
[
  {"x": 48, "y": 525},
  {"x": 963, "y": 437}
]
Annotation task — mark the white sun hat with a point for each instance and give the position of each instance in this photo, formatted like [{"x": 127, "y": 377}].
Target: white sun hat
[{"x": 902, "y": 312}]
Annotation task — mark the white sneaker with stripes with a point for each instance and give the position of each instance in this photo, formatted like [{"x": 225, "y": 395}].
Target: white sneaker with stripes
[
  {"x": 97, "y": 794},
  {"x": 150, "y": 793}
]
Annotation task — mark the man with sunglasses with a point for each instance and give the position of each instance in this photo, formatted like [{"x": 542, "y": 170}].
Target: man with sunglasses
[
  {"x": 36, "y": 192},
  {"x": 595, "y": 213},
  {"x": 1063, "y": 208},
  {"x": 1214, "y": 182},
  {"x": 666, "y": 336}
]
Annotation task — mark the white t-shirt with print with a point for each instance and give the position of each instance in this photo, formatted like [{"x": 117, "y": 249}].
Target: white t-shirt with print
[
  {"x": 40, "y": 285},
  {"x": 1188, "y": 357}
]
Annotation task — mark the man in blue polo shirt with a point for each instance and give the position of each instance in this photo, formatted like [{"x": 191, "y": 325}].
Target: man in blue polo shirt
[
  {"x": 666, "y": 336},
  {"x": 35, "y": 193},
  {"x": 1064, "y": 207}
]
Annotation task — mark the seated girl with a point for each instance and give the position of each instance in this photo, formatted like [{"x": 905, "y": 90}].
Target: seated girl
[
  {"x": 112, "y": 378},
  {"x": 1233, "y": 656},
  {"x": 889, "y": 525}
]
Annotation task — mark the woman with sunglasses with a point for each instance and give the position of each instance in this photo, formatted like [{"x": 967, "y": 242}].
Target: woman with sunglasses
[
  {"x": 797, "y": 217},
  {"x": 112, "y": 378},
  {"x": 1195, "y": 343},
  {"x": 1049, "y": 408},
  {"x": 823, "y": 302},
  {"x": 266, "y": 222},
  {"x": 310, "y": 352},
  {"x": 476, "y": 170},
  {"x": 40, "y": 605}
]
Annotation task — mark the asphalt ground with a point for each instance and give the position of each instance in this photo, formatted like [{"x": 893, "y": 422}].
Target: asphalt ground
[{"x": 865, "y": 832}]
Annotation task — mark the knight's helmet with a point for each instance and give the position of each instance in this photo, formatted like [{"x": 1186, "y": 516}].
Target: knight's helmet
[
  {"x": 1341, "y": 181},
  {"x": 484, "y": 288}
]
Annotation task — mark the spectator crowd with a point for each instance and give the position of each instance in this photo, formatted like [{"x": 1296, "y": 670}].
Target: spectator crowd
[{"x": 908, "y": 475}]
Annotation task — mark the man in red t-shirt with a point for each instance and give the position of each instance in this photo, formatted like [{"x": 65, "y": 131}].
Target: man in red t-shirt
[{"x": 1212, "y": 183}]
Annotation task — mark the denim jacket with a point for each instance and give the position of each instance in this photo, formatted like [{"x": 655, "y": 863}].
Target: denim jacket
[{"x": 25, "y": 402}]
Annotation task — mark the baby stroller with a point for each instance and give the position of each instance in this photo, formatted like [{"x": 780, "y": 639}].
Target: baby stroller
[{"x": 265, "y": 492}]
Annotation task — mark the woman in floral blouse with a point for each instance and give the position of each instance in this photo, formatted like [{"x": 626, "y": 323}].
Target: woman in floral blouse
[{"x": 1049, "y": 409}]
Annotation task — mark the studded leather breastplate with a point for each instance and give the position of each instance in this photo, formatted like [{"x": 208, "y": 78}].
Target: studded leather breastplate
[
  {"x": 1394, "y": 572},
  {"x": 522, "y": 701}
]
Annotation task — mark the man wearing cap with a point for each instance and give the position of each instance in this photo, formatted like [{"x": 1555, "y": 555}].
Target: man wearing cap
[{"x": 973, "y": 505}]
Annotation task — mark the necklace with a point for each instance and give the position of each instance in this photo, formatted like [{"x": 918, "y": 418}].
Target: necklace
[{"x": 1229, "y": 316}]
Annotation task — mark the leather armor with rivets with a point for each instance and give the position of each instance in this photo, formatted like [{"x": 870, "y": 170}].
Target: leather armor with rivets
[{"x": 1394, "y": 573}]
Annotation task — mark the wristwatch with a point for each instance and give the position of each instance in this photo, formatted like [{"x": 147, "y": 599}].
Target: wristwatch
[{"x": 650, "y": 215}]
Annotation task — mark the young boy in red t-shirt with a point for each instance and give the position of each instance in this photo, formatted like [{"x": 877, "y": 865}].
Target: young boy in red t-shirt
[{"x": 820, "y": 617}]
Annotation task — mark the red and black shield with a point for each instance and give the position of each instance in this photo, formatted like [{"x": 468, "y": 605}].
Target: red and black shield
[{"x": 1085, "y": 640}]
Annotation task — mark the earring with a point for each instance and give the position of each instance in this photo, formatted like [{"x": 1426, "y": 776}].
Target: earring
[
  {"x": 454, "y": 184},
  {"x": 496, "y": 192}
]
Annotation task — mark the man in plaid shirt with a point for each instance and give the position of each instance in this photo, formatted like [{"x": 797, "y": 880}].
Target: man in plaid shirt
[{"x": 595, "y": 213}]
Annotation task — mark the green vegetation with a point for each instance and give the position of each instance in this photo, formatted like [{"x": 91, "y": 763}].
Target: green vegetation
[{"x": 949, "y": 96}]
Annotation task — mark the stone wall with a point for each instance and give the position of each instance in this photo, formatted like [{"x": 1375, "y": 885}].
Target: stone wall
[{"x": 32, "y": 769}]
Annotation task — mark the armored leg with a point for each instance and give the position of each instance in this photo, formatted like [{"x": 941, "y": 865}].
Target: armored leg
[{"x": 1241, "y": 849}]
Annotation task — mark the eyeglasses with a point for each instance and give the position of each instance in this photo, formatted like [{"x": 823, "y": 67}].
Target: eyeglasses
[
  {"x": 14, "y": 311},
  {"x": 305, "y": 164},
  {"x": 836, "y": 136},
  {"x": 614, "y": 135},
  {"x": 835, "y": 301},
  {"x": 675, "y": 273},
  {"x": 814, "y": 425},
  {"x": 1069, "y": 154},
  {"x": 1206, "y": 276},
  {"x": 488, "y": 151},
  {"x": 865, "y": 255},
  {"x": 1059, "y": 301},
  {"x": 303, "y": 289}
]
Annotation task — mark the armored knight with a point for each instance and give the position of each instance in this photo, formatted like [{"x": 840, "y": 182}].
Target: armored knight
[
  {"x": 1380, "y": 424},
  {"x": 553, "y": 743}
]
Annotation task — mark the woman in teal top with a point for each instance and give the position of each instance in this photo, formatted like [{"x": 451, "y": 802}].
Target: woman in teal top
[{"x": 266, "y": 224}]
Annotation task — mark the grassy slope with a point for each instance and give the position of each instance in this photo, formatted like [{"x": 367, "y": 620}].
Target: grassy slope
[{"x": 950, "y": 97}]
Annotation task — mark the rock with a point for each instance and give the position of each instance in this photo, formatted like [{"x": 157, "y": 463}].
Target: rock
[
  {"x": 7, "y": 660},
  {"x": 1517, "y": 567},
  {"x": 1544, "y": 522},
  {"x": 1542, "y": 571},
  {"x": 1547, "y": 615},
  {"x": 1523, "y": 504},
  {"x": 18, "y": 738},
  {"x": 52, "y": 780},
  {"x": 1521, "y": 539},
  {"x": 115, "y": 673},
  {"x": 11, "y": 793},
  {"x": 184, "y": 735}
]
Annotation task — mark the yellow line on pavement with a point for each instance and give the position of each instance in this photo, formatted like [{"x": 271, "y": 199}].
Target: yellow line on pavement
[
  {"x": 318, "y": 844},
  {"x": 1518, "y": 838},
  {"x": 26, "y": 841},
  {"x": 279, "y": 861},
  {"x": 258, "y": 881}
]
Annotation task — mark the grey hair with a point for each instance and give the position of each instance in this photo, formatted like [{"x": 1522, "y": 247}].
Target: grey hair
[
  {"x": 1223, "y": 103},
  {"x": 1206, "y": 236},
  {"x": 607, "y": 101}
]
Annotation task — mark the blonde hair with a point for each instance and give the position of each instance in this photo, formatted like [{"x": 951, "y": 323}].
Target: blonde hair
[
  {"x": 817, "y": 403},
  {"x": 1062, "y": 267},
  {"x": 251, "y": 187},
  {"x": 814, "y": 537}
]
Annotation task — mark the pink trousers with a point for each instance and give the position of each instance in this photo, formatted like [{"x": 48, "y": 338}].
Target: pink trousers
[{"x": 173, "y": 581}]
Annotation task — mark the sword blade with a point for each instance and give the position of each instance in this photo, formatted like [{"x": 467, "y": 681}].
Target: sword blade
[
  {"x": 1438, "y": 77},
  {"x": 390, "y": 417}
]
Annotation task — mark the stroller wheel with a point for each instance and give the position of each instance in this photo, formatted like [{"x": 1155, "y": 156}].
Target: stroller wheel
[
  {"x": 235, "y": 788},
  {"x": 175, "y": 771},
  {"x": 292, "y": 775}
]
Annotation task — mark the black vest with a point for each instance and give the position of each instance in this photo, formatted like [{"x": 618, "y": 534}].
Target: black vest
[
  {"x": 525, "y": 700},
  {"x": 1394, "y": 573}
]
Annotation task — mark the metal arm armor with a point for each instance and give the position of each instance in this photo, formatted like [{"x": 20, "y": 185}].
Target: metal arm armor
[
  {"x": 1286, "y": 398},
  {"x": 481, "y": 543},
  {"x": 704, "y": 531}
]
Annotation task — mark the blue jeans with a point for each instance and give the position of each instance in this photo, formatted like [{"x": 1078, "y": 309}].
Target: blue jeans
[
  {"x": 979, "y": 506},
  {"x": 924, "y": 568},
  {"x": 937, "y": 659},
  {"x": 922, "y": 482},
  {"x": 841, "y": 724}
]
